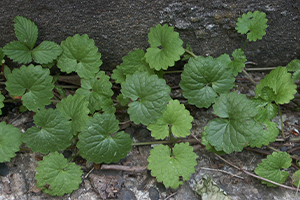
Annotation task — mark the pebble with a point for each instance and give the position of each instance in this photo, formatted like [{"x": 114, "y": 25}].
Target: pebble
[
  {"x": 126, "y": 195},
  {"x": 3, "y": 169},
  {"x": 153, "y": 193}
]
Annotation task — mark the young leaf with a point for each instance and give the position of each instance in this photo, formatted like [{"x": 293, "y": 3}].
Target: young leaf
[
  {"x": 176, "y": 117},
  {"x": 149, "y": 94},
  {"x": 123, "y": 100},
  {"x": 280, "y": 81},
  {"x": 270, "y": 168},
  {"x": 75, "y": 109},
  {"x": 80, "y": 55},
  {"x": 203, "y": 78},
  {"x": 167, "y": 166},
  {"x": 166, "y": 47},
  {"x": 238, "y": 63},
  {"x": 98, "y": 143},
  {"x": 26, "y": 31},
  {"x": 10, "y": 141},
  {"x": 33, "y": 83},
  {"x": 46, "y": 52},
  {"x": 18, "y": 52},
  {"x": 98, "y": 93},
  {"x": 56, "y": 176},
  {"x": 53, "y": 132},
  {"x": 1, "y": 103},
  {"x": 118, "y": 75},
  {"x": 294, "y": 66},
  {"x": 253, "y": 24}
]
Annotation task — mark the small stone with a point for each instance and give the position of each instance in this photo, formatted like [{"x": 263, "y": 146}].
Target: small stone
[
  {"x": 126, "y": 195},
  {"x": 3, "y": 169},
  {"x": 153, "y": 193}
]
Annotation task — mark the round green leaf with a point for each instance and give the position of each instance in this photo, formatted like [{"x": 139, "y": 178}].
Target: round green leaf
[
  {"x": 26, "y": 31},
  {"x": 46, "y": 52},
  {"x": 18, "y": 52}
]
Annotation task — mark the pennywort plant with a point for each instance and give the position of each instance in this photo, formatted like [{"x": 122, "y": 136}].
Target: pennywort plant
[{"x": 87, "y": 119}]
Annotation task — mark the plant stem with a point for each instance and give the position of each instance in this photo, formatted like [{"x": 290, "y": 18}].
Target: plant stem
[
  {"x": 244, "y": 45},
  {"x": 173, "y": 72},
  {"x": 175, "y": 140},
  {"x": 281, "y": 121},
  {"x": 249, "y": 77},
  {"x": 11, "y": 100},
  {"x": 191, "y": 53},
  {"x": 260, "y": 69}
]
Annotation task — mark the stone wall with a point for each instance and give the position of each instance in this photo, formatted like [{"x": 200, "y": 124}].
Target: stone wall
[{"x": 120, "y": 26}]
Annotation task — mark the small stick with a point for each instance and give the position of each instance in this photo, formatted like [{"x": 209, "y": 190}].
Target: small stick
[
  {"x": 124, "y": 168},
  {"x": 89, "y": 173},
  {"x": 219, "y": 170}
]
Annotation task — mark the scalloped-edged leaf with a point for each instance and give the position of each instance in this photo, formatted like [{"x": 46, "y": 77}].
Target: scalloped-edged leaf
[
  {"x": 204, "y": 78},
  {"x": 166, "y": 47},
  {"x": 99, "y": 142},
  {"x": 10, "y": 141},
  {"x": 18, "y": 52},
  {"x": 176, "y": 117},
  {"x": 294, "y": 66},
  {"x": 118, "y": 75},
  {"x": 98, "y": 93},
  {"x": 239, "y": 61},
  {"x": 270, "y": 168},
  {"x": 33, "y": 83},
  {"x": 46, "y": 52},
  {"x": 280, "y": 81},
  {"x": 53, "y": 132},
  {"x": 56, "y": 176},
  {"x": 253, "y": 24},
  {"x": 80, "y": 55},
  {"x": 208, "y": 146},
  {"x": 149, "y": 94},
  {"x": 75, "y": 109},
  {"x": 266, "y": 111},
  {"x": 1, "y": 103},
  {"x": 26, "y": 31},
  {"x": 167, "y": 166}
]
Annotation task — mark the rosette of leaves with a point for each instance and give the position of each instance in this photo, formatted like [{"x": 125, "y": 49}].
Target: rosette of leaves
[
  {"x": 253, "y": 24},
  {"x": 56, "y": 176},
  {"x": 294, "y": 66},
  {"x": 149, "y": 94},
  {"x": 23, "y": 51},
  {"x": 100, "y": 142},
  {"x": 33, "y": 83},
  {"x": 204, "y": 78},
  {"x": 166, "y": 47},
  {"x": 80, "y": 55}
]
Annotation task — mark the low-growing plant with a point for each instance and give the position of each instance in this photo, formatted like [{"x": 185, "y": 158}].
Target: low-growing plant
[{"x": 86, "y": 119}]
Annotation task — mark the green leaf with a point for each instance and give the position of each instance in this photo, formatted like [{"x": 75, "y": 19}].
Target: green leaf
[
  {"x": 280, "y": 81},
  {"x": 118, "y": 75},
  {"x": 176, "y": 117},
  {"x": 269, "y": 134},
  {"x": 26, "y": 31},
  {"x": 75, "y": 109},
  {"x": 46, "y": 52},
  {"x": 294, "y": 66},
  {"x": 56, "y": 176},
  {"x": 204, "y": 78},
  {"x": 253, "y": 24},
  {"x": 266, "y": 112},
  {"x": 80, "y": 55},
  {"x": 296, "y": 178},
  {"x": 166, "y": 47},
  {"x": 123, "y": 100},
  {"x": 18, "y": 52},
  {"x": 167, "y": 166},
  {"x": 149, "y": 94},
  {"x": 1, "y": 102},
  {"x": 99, "y": 142},
  {"x": 239, "y": 61},
  {"x": 10, "y": 140},
  {"x": 187, "y": 55},
  {"x": 207, "y": 145},
  {"x": 53, "y": 132},
  {"x": 6, "y": 71},
  {"x": 33, "y": 83},
  {"x": 270, "y": 168},
  {"x": 1, "y": 56},
  {"x": 98, "y": 93}
]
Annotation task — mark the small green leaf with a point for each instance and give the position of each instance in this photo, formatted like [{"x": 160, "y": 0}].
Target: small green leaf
[
  {"x": 1, "y": 102},
  {"x": 26, "y": 31},
  {"x": 53, "y": 132},
  {"x": 10, "y": 141},
  {"x": 18, "y": 52},
  {"x": 187, "y": 55},
  {"x": 149, "y": 94},
  {"x": 166, "y": 47},
  {"x": 239, "y": 61},
  {"x": 270, "y": 168},
  {"x": 294, "y": 66},
  {"x": 176, "y": 117},
  {"x": 123, "y": 100},
  {"x": 56, "y": 176},
  {"x": 253, "y": 24},
  {"x": 75, "y": 109},
  {"x": 6, "y": 71},
  {"x": 280, "y": 81},
  {"x": 296, "y": 178},
  {"x": 46, "y": 52},
  {"x": 33, "y": 83},
  {"x": 1, "y": 55},
  {"x": 167, "y": 166},
  {"x": 118, "y": 75},
  {"x": 98, "y": 143},
  {"x": 80, "y": 55}
]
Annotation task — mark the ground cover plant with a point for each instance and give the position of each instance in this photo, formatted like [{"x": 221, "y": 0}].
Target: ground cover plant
[{"x": 87, "y": 121}]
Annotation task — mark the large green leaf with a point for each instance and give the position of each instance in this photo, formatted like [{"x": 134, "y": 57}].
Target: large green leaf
[
  {"x": 149, "y": 94},
  {"x": 26, "y": 31},
  {"x": 166, "y": 47},
  {"x": 204, "y": 78},
  {"x": 18, "y": 52},
  {"x": 168, "y": 165},
  {"x": 56, "y": 176},
  {"x": 99, "y": 142},
  {"x": 53, "y": 132},
  {"x": 10, "y": 141},
  {"x": 80, "y": 55},
  {"x": 46, "y": 52},
  {"x": 33, "y": 83}
]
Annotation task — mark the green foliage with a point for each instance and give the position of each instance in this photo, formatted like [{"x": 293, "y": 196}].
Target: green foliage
[
  {"x": 1, "y": 102},
  {"x": 294, "y": 66},
  {"x": 1, "y": 55},
  {"x": 46, "y": 52},
  {"x": 270, "y": 168},
  {"x": 56, "y": 176},
  {"x": 26, "y": 31},
  {"x": 167, "y": 165},
  {"x": 239, "y": 61},
  {"x": 296, "y": 178}
]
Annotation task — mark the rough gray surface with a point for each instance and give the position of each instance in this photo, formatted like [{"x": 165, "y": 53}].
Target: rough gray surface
[{"x": 119, "y": 27}]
